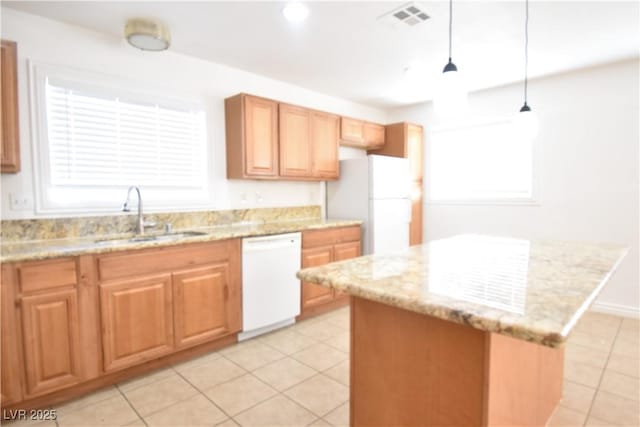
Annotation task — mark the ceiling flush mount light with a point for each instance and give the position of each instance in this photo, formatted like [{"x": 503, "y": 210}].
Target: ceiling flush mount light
[
  {"x": 451, "y": 95},
  {"x": 147, "y": 35},
  {"x": 295, "y": 12},
  {"x": 526, "y": 121}
]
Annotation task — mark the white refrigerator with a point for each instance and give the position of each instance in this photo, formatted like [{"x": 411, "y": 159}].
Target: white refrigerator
[{"x": 377, "y": 190}]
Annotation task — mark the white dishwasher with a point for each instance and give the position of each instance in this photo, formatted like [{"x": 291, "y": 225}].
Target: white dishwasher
[{"x": 270, "y": 288}]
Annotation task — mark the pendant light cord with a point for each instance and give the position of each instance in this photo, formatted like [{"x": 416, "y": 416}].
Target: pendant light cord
[
  {"x": 451, "y": 25},
  {"x": 526, "y": 50}
]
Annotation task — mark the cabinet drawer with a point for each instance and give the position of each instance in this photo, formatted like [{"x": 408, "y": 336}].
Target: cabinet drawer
[
  {"x": 132, "y": 263},
  {"x": 314, "y": 238},
  {"x": 330, "y": 236},
  {"x": 347, "y": 234},
  {"x": 46, "y": 275}
]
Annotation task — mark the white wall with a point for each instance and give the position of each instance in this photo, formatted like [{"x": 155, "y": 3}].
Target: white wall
[
  {"x": 588, "y": 168},
  {"x": 52, "y": 42}
]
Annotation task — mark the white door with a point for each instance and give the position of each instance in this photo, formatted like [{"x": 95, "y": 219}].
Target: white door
[{"x": 389, "y": 230}]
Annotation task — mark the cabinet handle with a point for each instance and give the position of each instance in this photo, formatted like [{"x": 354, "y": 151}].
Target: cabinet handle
[{"x": 226, "y": 292}]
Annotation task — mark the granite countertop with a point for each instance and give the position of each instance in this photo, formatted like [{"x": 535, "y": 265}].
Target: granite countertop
[
  {"x": 530, "y": 290},
  {"x": 53, "y": 248}
]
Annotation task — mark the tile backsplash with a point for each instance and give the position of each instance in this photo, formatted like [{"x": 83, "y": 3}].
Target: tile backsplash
[{"x": 74, "y": 227}]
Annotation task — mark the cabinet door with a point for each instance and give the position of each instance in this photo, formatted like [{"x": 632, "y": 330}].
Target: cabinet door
[
  {"x": 137, "y": 320},
  {"x": 9, "y": 136},
  {"x": 352, "y": 130},
  {"x": 373, "y": 135},
  {"x": 344, "y": 251},
  {"x": 201, "y": 307},
  {"x": 325, "y": 139},
  {"x": 10, "y": 367},
  {"x": 295, "y": 143},
  {"x": 414, "y": 143},
  {"x": 261, "y": 136},
  {"x": 50, "y": 335},
  {"x": 415, "y": 226},
  {"x": 315, "y": 294}
]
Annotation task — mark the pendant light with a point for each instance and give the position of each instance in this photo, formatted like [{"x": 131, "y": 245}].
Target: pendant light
[
  {"x": 526, "y": 121},
  {"x": 451, "y": 95}
]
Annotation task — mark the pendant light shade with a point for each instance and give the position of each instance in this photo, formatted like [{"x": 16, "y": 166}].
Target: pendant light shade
[
  {"x": 450, "y": 97},
  {"x": 526, "y": 121}
]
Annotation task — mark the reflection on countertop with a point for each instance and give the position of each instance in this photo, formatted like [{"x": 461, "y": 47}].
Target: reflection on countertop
[{"x": 531, "y": 290}]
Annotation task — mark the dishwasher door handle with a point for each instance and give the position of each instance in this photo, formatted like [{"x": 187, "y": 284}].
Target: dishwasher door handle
[{"x": 266, "y": 243}]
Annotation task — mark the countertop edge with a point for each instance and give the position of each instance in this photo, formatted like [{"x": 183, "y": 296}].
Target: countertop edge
[
  {"x": 91, "y": 248},
  {"x": 548, "y": 338}
]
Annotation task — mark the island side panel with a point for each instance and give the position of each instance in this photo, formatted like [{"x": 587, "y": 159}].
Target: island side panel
[
  {"x": 413, "y": 369},
  {"x": 524, "y": 381}
]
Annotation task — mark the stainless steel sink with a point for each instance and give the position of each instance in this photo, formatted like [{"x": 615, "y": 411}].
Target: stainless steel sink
[{"x": 151, "y": 238}]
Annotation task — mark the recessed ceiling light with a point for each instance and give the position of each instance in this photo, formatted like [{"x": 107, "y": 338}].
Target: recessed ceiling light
[{"x": 295, "y": 12}]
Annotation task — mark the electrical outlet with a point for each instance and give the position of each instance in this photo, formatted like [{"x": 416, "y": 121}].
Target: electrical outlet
[{"x": 20, "y": 202}]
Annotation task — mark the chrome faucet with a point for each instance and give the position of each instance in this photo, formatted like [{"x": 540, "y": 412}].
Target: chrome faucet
[{"x": 125, "y": 208}]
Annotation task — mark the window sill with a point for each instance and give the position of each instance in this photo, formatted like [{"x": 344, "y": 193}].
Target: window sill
[{"x": 486, "y": 202}]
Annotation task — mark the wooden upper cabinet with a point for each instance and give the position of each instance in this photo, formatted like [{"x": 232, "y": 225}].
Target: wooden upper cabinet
[
  {"x": 202, "y": 307},
  {"x": 351, "y": 132},
  {"x": 295, "y": 141},
  {"x": 137, "y": 320},
  {"x": 361, "y": 134},
  {"x": 325, "y": 137},
  {"x": 51, "y": 339},
  {"x": 373, "y": 135},
  {"x": 271, "y": 140},
  {"x": 9, "y": 128},
  {"x": 251, "y": 137}
]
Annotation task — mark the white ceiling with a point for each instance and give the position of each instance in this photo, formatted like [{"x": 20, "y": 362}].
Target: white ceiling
[{"x": 344, "y": 50}]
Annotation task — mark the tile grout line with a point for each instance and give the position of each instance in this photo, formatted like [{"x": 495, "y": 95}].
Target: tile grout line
[
  {"x": 140, "y": 417},
  {"x": 308, "y": 409},
  {"x": 207, "y": 397},
  {"x": 604, "y": 369}
]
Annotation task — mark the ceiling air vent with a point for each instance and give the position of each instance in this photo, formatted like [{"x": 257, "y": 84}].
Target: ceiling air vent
[{"x": 409, "y": 14}]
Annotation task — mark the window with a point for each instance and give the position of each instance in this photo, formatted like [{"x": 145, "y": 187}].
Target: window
[
  {"x": 95, "y": 141},
  {"x": 480, "y": 163}
]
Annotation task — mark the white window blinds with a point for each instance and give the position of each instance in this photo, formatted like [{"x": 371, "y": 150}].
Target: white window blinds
[
  {"x": 100, "y": 139},
  {"x": 487, "y": 162}
]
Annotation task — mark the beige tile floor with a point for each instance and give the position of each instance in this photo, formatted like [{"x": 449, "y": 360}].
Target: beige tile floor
[{"x": 299, "y": 376}]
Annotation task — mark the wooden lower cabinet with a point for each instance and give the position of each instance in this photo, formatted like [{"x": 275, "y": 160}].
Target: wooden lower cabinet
[
  {"x": 10, "y": 367},
  {"x": 137, "y": 320},
  {"x": 75, "y": 324},
  {"x": 343, "y": 251},
  {"x": 313, "y": 295},
  {"x": 51, "y": 339},
  {"x": 202, "y": 310},
  {"x": 321, "y": 247}
]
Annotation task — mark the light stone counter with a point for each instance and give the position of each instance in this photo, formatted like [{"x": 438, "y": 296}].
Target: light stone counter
[
  {"x": 530, "y": 290},
  {"x": 53, "y": 248}
]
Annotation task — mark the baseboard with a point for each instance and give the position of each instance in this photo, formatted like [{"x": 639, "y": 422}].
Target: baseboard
[{"x": 616, "y": 309}]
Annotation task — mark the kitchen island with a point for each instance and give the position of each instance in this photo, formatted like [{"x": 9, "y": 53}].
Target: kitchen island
[{"x": 465, "y": 331}]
